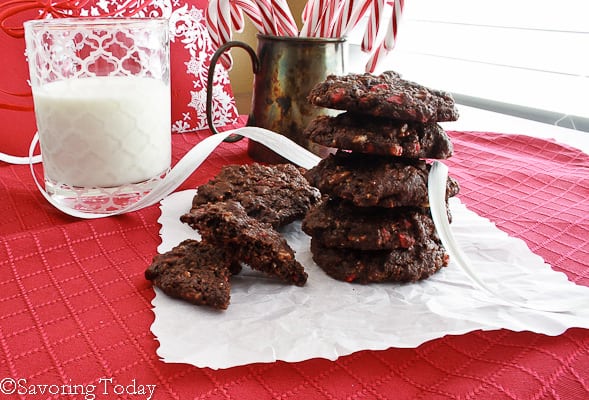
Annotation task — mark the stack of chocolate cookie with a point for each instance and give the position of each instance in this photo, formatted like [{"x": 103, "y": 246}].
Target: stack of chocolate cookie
[{"x": 374, "y": 224}]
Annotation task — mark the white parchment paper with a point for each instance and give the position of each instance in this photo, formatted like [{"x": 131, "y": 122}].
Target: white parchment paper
[{"x": 268, "y": 321}]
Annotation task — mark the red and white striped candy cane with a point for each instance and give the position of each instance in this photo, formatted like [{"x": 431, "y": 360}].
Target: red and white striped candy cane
[
  {"x": 251, "y": 9},
  {"x": 224, "y": 21},
  {"x": 376, "y": 57},
  {"x": 311, "y": 16},
  {"x": 391, "y": 35},
  {"x": 218, "y": 19},
  {"x": 211, "y": 20},
  {"x": 352, "y": 12},
  {"x": 237, "y": 21},
  {"x": 327, "y": 19},
  {"x": 373, "y": 25},
  {"x": 306, "y": 11},
  {"x": 388, "y": 42},
  {"x": 336, "y": 18},
  {"x": 268, "y": 21},
  {"x": 342, "y": 16},
  {"x": 284, "y": 19}
]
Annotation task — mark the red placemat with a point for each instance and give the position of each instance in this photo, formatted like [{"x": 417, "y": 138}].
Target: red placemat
[
  {"x": 534, "y": 189},
  {"x": 75, "y": 308}
]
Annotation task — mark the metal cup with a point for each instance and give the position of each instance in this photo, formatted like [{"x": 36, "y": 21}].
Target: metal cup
[{"x": 285, "y": 71}]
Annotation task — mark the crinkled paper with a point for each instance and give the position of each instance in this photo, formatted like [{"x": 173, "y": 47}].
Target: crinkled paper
[{"x": 268, "y": 320}]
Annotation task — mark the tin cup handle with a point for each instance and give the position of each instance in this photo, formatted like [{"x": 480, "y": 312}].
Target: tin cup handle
[{"x": 211, "y": 74}]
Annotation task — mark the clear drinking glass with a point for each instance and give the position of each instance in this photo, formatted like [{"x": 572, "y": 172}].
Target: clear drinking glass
[{"x": 101, "y": 90}]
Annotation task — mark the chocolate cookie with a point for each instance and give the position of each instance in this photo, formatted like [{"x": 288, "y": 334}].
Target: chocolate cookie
[
  {"x": 399, "y": 265},
  {"x": 385, "y": 95},
  {"x": 277, "y": 194},
  {"x": 385, "y": 136},
  {"x": 248, "y": 240},
  {"x": 370, "y": 180},
  {"x": 194, "y": 271},
  {"x": 338, "y": 224}
]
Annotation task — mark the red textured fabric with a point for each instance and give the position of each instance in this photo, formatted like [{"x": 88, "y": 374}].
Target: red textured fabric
[{"x": 75, "y": 308}]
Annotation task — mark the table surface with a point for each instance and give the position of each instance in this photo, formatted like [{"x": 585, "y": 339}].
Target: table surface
[{"x": 75, "y": 309}]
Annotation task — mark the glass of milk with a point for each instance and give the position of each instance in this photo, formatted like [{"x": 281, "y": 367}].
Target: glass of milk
[{"x": 101, "y": 91}]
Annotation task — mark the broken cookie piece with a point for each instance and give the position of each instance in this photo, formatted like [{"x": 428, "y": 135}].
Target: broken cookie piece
[
  {"x": 194, "y": 271},
  {"x": 250, "y": 241}
]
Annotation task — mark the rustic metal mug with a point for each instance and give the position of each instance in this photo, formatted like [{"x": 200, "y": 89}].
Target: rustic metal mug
[{"x": 285, "y": 70}]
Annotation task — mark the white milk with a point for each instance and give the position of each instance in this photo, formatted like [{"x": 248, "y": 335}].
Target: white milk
[{"x": 104, "y": 131}]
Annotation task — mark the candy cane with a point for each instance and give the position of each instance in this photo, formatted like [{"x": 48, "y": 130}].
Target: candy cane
[
  {"x": 224, "y": 20},
  {"x": 377, "y": 56},
  {"x": 225, "y": 33},
  {"x": 284, "y": 19},
  {"x": 391, "y": 35},
  {"x": 387, "y": 44},
  {"x": 211, "y": 20},
  {"x": 327, "y": 19},
  {"x": 352, "y": 12},
  {"x": 306, "y": 10},
  {"x": 237, "y": 21},
  {"x": 373, "y": 25},
  {"x": 268, "y": 21},
  {"x": 251, "y": 9},
  {"x": 342, "y": 16},
  {"x": 218, "y": 18},
  {"x": 311, "y": 16}
]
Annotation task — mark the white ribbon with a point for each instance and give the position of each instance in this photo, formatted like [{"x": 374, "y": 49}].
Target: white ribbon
[
  {"x": 7, "y": 158},
  {"x": 188, "y": 164}
]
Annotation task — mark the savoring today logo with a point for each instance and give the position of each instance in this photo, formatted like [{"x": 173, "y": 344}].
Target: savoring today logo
[{"x": 106, "y": 387}]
